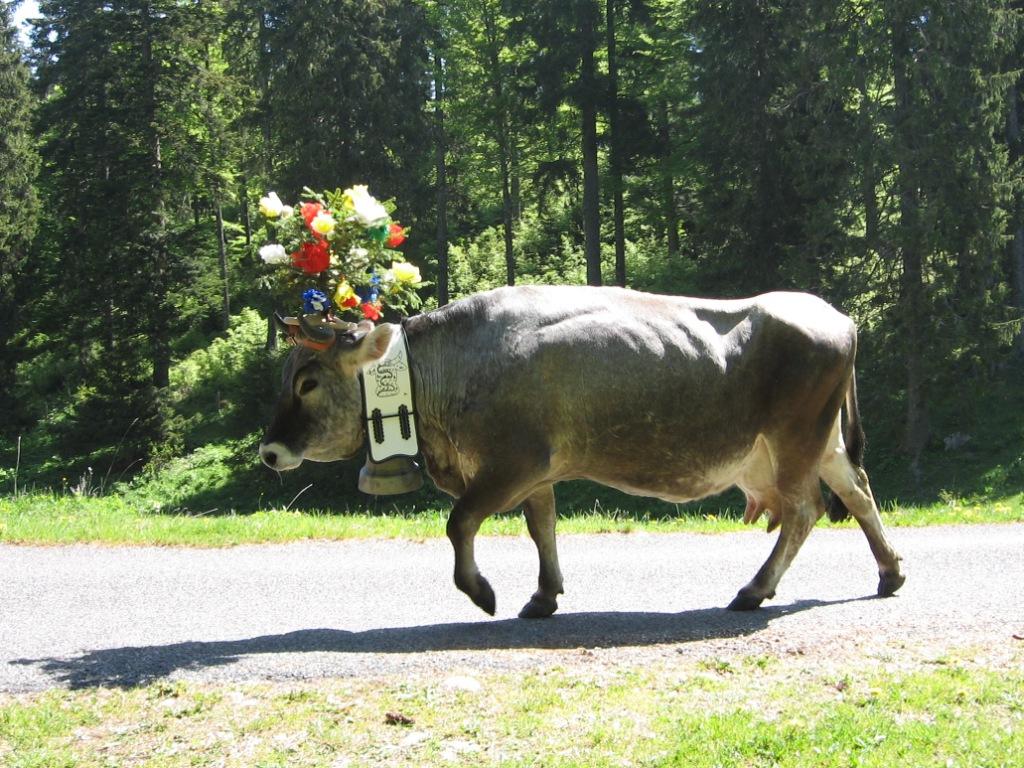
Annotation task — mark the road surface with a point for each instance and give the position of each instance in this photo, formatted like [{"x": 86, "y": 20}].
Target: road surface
[{"x": 81, "y": 616}]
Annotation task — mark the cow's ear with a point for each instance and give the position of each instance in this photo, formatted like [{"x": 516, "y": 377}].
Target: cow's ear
[{"x": 374, "y": 345}]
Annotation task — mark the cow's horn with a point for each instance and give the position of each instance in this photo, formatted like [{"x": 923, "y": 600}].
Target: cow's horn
[
  {"x": 341, "y": 325},
  {"x": 318, "y": 333},
  {"x": 281, "y": 323}
]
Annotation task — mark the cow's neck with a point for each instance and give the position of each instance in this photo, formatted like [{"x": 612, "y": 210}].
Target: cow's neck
[
  {"x": 436, "y": 363},
  {"x": 389, "y": 410}
]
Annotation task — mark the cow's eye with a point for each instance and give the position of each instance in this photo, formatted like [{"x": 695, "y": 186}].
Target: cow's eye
[{"x": 307, "y": 386}]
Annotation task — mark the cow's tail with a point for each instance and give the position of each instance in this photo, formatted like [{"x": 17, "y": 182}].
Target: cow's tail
[{"x": 853, "y": 436}]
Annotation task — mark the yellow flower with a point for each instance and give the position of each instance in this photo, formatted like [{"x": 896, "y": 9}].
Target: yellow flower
[
  {"x": 405, "y": 273},
  {"x": 323, "y": 223},
  {"x": 271, "y": 205},
  {"x": 344, "y": 296}
]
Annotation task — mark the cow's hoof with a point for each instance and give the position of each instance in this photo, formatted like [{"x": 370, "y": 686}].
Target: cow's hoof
[
  {"x": 539, "y": 607},
  {"x": 745, "y": 601},
  {"x": 484, "y": 596},
  {"x": 888, "y": 583}
]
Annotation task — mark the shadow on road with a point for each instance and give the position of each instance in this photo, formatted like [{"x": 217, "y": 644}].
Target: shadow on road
[{"x": 134, "y": 666}]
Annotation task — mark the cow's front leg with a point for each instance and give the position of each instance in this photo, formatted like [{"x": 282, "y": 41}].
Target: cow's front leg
[
  {"x": 539, "y": 509},
  {"x": 463, "y": 523},
  {"x": 487, "y": 494}
]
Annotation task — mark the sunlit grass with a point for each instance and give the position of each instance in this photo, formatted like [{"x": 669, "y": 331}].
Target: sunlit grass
[
  {"x": 60, "y": 519},
  {"x": 759, "y": 712}
]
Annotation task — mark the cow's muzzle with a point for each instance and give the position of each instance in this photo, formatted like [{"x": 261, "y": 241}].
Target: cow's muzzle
[{"x": 277, "y": 456}]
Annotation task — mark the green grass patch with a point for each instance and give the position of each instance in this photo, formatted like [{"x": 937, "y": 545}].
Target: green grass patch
[
  {"x": 66, "y": 518},
  {"x": 683, "y": 714}
]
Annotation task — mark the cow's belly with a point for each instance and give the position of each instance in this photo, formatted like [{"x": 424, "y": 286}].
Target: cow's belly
[{"x": 677, "y": 479}]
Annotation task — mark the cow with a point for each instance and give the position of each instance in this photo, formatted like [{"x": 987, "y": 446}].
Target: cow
[{"x": 679, "y": 398}]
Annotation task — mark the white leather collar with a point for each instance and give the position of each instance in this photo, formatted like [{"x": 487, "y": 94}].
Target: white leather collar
[{"x": 388, "y": 408}]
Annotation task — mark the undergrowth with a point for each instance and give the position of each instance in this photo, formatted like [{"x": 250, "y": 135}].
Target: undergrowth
[{"x": 223, "y": 391}]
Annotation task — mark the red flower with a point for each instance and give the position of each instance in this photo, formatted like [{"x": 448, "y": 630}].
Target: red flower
[
  {"x": 396, "y": 237},
  {"x": 309, "y": 212},
  {"x": 351, "y": 301},
  {"x": 312, "y": 258},
  {"x": 371, "y": 311}
]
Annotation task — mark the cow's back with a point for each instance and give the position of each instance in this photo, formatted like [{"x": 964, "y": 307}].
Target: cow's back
[{"x": 621, "y": 386}]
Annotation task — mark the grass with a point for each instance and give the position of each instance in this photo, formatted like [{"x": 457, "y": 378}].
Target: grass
[
  {"x": 751, "y": 712},
  {"x": 67, "y": 518}
]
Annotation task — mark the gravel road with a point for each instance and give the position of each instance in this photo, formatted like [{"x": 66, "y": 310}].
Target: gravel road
[{"x": 82, "y": 616}]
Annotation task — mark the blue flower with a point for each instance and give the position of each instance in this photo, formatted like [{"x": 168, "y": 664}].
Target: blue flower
[
  {"x": 368, "y": 293},
  {"x": 314, "y": 300}
]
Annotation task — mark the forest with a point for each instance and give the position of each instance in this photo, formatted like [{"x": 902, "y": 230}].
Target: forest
[{"x": 867, "y": 152}]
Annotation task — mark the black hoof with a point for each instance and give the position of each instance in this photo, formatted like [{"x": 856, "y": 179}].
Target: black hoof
[
  {"x": 888, "y": 583},
  {"x": 484, "y": 596},
  {"x": 745, "y": 601},
  {"x": 539, "y": 607}
]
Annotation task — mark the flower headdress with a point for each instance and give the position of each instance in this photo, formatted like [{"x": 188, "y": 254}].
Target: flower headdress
[{"x": 339, "y": 245}]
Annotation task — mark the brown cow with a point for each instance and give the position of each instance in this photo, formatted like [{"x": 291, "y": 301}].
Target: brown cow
[{"x": 679, "y": 398}]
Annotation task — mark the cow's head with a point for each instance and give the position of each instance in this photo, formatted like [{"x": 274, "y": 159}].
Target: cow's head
[{"x": 319, "y": 412}]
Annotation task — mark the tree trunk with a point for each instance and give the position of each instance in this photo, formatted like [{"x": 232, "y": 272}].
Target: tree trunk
[
  {"x": 222, "y": 260},
  {"x": 271, "y": 343},
  {"x": 515, "y": 183},
  {"x": 763, "y": 251},
  {"x": 109, "y": 336},
  {"x": 1013, "y": 139},
  {"x": 588, "y": 109},
  {"x": 506, "y": 222},
  {"x": 913, "y": 312},
  {"x": 668, "y": 182},
  {"x": 8, "y": 362},
  {"x": 501, "y": 126},
  {"x": 869, "y": 181},
  {"x": 615, "y": 142},
  {"x": 442, "y": 181},
  {"x": 265, "y": 113},
  {"x": 912, "y": 298},
  {"x": 243, "y": 198},
  {"x": 159, "y": 326},
  {"x": 1017, "y": 251}
]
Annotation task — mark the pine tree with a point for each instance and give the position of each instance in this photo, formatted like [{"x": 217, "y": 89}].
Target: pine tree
[
  {"x": 564, "y": 68},
  {"x": 349, "y": 86},
  {"x": 19, "y": 165},
  {"x": 952, "y": 187},
  {"x": 124, "y": 163},
  {"x": 485, "y": 101},
  {"x": 1015, "y": 144},
  {"x": 769, "y": 142}
]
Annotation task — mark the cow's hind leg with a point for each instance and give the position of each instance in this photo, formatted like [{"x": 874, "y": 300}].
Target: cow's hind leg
[
  {"x": 850, "y": 483},
  {"x": 539, "y": 510},
  {"x": 798, "y": 517}
]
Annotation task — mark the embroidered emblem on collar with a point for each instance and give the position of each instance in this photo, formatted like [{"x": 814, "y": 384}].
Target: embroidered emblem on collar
[{"x": 387, "y": 402}]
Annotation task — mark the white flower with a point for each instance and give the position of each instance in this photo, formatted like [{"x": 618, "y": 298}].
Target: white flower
[
  {"x": 271, "y": 205},
  {"x": 358, "y": 258},
  {"x": 287, "y": 211},
  {"x": 273, "y": 253},
  {"x": 365, "y": 208}
]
